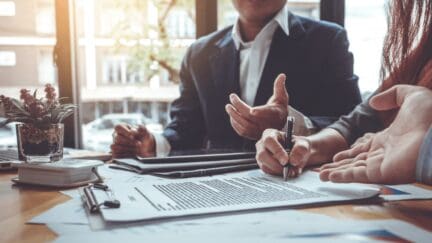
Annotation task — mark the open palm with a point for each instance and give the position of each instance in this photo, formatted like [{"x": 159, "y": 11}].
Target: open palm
[{"x": 390, "y": 155}]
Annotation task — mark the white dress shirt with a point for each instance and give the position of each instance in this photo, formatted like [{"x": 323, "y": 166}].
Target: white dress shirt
[{"x": 253, "y": 56}]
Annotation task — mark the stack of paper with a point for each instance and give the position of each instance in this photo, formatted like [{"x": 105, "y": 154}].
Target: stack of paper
[
  {"x": 74, "y": 224},
  {"x": 232, "y": 192},
  {"x": 64, "y": 173}
]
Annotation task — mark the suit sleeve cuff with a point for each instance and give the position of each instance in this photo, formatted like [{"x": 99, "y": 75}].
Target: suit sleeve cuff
[
  {"x": 163, "y": 148},
  {"x": 424, "y": 161}
]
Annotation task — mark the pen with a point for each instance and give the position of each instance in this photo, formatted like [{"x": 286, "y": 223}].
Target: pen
[{"x": 288, "y": 146}]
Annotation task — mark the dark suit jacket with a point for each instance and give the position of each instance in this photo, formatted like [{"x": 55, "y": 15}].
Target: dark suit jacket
[{"x": 314, "y": 57}]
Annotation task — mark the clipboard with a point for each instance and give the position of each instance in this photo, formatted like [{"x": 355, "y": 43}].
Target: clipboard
[
  {"x": 93, "y": 204},
  {"x": 185, "y": 169},
  {"x": 197, "y": 158},
  {"x": 167, "y": 199}
]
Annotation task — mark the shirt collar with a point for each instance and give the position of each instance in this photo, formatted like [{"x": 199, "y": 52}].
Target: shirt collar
[{"x": 281, "y": 18}]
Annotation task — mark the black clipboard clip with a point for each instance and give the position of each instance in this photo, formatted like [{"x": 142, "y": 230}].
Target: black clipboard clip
[{"x": 92, "y": 202}]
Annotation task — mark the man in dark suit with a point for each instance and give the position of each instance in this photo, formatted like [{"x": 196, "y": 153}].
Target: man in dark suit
[{"x": 228, "y": 95}]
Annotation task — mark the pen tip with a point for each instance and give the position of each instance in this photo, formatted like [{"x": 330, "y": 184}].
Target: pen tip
[{"x": 285, "y": 173}]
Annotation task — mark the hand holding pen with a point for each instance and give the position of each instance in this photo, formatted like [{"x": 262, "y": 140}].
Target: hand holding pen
[{"x": 272, "y": 155}]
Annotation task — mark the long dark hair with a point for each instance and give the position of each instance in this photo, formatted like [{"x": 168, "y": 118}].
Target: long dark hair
[{"x": 407, "y": 51}]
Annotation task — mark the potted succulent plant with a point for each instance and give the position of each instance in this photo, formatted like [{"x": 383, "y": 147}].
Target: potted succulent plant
[{"x": 40, "y": 130}]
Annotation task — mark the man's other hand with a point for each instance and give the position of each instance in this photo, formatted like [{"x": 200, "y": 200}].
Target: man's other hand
[{"x": 250, "y": 122}]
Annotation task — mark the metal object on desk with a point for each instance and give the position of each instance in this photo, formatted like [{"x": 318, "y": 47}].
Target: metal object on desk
[
  {"x": 288, "y": 146},
  {"x": 90, "y": 199}
]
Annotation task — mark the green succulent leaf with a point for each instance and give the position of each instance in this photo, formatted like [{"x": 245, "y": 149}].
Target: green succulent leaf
[
  {"x": 53, "y": 112},
  {"x": 65, "y": 115},
  {"x": 19, "y": 106},
  {"x": 54, "y": 115}
]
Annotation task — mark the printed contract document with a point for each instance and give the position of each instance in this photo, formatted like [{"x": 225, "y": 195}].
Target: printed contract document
[{"x": 224, "y": 193}]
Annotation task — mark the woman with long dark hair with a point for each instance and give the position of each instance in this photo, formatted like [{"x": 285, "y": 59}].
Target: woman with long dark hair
[{"x": 407, "y": 60}]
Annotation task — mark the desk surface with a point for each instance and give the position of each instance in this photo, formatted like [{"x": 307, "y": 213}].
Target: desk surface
[{"x": 18, "y": 205}]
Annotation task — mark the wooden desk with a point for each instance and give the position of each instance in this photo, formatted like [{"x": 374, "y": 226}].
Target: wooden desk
[{"x": 18, "y": 205}]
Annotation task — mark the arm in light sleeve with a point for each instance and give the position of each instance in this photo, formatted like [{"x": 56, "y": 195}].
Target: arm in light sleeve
[
  {"x": 424, "y": 161},
  {"x": 163, "y": 147}
]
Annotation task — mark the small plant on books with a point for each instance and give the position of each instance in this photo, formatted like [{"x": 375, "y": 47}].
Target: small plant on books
[{"x": 39, "y": 123}]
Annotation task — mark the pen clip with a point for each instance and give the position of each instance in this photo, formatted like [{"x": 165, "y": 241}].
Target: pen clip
[{"x": 289, "y": 134}]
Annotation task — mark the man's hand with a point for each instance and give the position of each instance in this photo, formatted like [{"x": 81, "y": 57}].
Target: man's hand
[
  {"x": 250, "y": 122},
  {"x": 130, "y": 142},
  {"x": 272, "y": 156},
  {"x": 388, "y": 157}
]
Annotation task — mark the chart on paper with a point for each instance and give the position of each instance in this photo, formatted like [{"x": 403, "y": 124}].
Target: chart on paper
[{"x": 229, "y": 193}]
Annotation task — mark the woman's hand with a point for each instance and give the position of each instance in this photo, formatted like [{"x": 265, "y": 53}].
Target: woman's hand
[
  {"x": 359, "y": 147},
  {"x": 389, "y": 156}
]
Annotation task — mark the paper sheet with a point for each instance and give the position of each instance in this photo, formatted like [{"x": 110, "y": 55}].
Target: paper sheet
[
  {"x": 226, "y": 193},
  {"x": 268, "y": 229},
  {"x": 70, "y": 222},
  {"x": 70, "y": 212},
  {"x": 403, "y": 192},
  {"x": 269, "y": 220},
  {"x": 115, "y": 176},
  {"x": 387, "y": 192}
]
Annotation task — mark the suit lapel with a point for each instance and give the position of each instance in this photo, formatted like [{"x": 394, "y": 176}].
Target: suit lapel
[
  {"x": 283, "y": 53},
  {"x": 225, "y": 68},
  {"x": 224, "y": 65}
]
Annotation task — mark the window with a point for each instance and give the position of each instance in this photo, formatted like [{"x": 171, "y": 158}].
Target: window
[
  {"x": 306, "y": 8},
  {"x": 7, "y": 8},
  {"x": 138, "y": 46},
  {"x": 129, "y": 53},
  {"x": 27, "y": 39},
  {"x": 46, "y": 68},
  {"x": 7, "y": 58},
  {"x": 366, "y": 25},
  {"x": 45, "y": 17}
]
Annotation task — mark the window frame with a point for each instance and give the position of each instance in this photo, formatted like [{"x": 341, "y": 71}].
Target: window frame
[{"x": 64, "y": 59}]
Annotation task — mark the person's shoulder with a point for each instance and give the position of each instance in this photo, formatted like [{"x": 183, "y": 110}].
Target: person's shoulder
[
  {"x": 312, "y": 26},
  {"x": 208, "y": 42}
]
